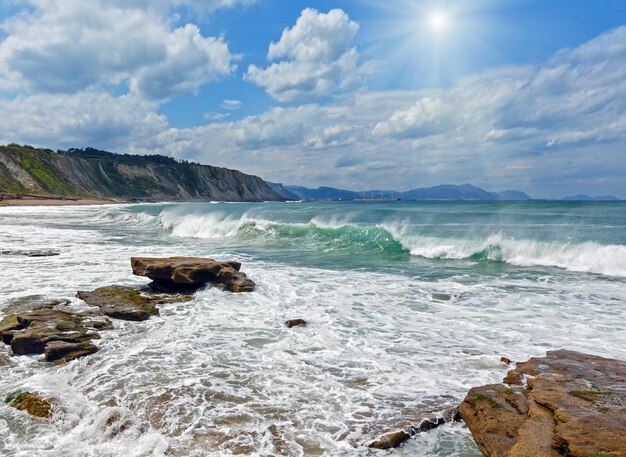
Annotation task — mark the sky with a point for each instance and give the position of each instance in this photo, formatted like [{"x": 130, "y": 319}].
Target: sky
[{"x": 356, "y": 94}]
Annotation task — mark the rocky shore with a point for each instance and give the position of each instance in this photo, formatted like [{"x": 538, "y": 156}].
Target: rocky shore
[
  {"x": 62, "y": 333},
  {"x": 564, "y": 404}
]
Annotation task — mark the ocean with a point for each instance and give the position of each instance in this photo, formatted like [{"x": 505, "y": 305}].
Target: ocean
[{"x": 408, "y": 306}]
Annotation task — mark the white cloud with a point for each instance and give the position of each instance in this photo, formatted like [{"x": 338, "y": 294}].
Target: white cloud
[
  {"x": 319, "y": 59},
  {"x": 231, "y": 105},
  {"x": 74, "y": 45},
  {"x": 82, "y": 119}
]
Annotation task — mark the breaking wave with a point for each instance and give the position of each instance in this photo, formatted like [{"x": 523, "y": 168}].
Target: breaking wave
[{"x": 395, "y": 239}]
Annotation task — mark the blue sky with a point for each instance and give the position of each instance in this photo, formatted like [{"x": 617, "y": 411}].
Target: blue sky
[{"x": 526, "y": 94}]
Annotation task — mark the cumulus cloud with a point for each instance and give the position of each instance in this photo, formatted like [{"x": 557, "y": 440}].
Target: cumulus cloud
[
  {"x": 70, "y": 46},
  {"x": 318, "y": 58}
]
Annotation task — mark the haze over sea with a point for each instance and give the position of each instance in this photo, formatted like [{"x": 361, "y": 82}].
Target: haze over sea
[{"x": 408, "y": 306}]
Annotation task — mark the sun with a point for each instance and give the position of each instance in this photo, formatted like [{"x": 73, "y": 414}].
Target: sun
[{"x": 438, "y": 21}]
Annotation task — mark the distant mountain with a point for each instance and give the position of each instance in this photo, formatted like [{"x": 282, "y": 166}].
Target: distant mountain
[
  {"x": 321, "y": 193},
  {"x": 587, "y": 198},
  {"x": 92, "y": 173},
  {"x": 442, "y": 192}
]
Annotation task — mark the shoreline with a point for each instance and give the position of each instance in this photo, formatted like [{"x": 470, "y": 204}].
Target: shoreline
[{"x": 27, "y": 201}]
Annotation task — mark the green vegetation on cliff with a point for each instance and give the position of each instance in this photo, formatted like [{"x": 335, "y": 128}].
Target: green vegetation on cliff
[{"x": 93, "y": 173}]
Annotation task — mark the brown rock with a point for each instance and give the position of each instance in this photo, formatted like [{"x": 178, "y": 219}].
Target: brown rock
[
  {"x": 295, "y": 323},
  {"x": 128, "y": 303},
  {"x": 189, "y": 273},
  {"x": 573, "y": 405},
  {"x": 32, "y": 331},
  {"x": 31, "y": 403},
  {"x": 61, "y": 351},
  {"x": 505, "y": 360}
]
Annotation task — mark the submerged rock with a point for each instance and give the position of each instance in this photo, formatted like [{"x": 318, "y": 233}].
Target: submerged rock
[
  {"x": 572, "y": 405},
  {"x": 31, "y": 253},
  {"x": 39, "y": 331},
  {"x": 128, "y": 303},
  {"x": 31, "y": 403},
  {"x": 189, "y": 273},
  {"x": 295, "y": 323},
  {"x": 395, "y": 439}
]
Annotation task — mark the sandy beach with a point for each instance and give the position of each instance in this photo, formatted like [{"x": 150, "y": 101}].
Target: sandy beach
[{"x": 57, "y": 202}]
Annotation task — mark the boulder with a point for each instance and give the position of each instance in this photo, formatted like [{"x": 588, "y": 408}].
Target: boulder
[
  {"x": 295, "y": 323},
  {"x": 32, "y": 332},
  {"x": 61, "y": 351},
  {"x": 128, "y": 303},
  {"x": 31, "y": 403},
  {"x": 565, "y": 404},
  {"x": 191, "y": 273}
]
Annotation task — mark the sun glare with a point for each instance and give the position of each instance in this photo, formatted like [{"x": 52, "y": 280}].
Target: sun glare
[{"x": 438, "y": 21}]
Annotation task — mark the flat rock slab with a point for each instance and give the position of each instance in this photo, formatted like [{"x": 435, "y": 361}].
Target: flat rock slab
[
  {"x": 39, "y": 331},
  {"x": 31, "y": 253},
  {"x": 184, "y": 273},
  {"x": 128, "y": 303},
  {"x": 31, "y": 403},
  {"x": 565, "y": 404}
]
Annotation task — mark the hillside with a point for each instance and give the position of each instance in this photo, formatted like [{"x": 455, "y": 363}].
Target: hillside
[{"x": 93, "y": 173}]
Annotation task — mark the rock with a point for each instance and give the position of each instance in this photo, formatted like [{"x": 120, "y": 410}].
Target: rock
[
  {"x": 295, "y": 323},
  {"x": 31, "y": 403},
  {"x": 4, "y": 360},
  {"x": 127, "y": 303},
  {"x": 61, "y": 351},
  {"x": 31, "y": 253},
  {"x": 32, "y": 302},
  {"x": 573, "y": 405},
  {"x": 191, "y": 273},
  {"x": 31, "y": 332},
  {"x": 506, "y": 360},
  {"x": 395, "y": 439}
]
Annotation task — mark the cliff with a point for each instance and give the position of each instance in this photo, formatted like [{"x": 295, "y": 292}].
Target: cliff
[{"x": 93, "y": 173}]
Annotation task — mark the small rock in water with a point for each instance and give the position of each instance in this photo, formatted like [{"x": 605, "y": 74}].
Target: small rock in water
[
  {"x": 188, "y": 273},
  {"x": 505, "y": 360},
  {"x": 395, "y": 439},
  {"x": 31, "y": 403},
  {"x": 295, "y": 323}
]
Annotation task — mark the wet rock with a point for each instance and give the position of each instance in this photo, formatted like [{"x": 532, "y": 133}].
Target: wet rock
[
  {"x": 185, "y": 273},
  {"x": 32, "y": 331},
  {"x": 61, "y": 351},
  {"x": 506, "y": 360},
  {"x": 31, "y": 253},
  {"x": 572, "y": 404},
  {"x": 395, "y": 439},
  {"x": 31, "y": 403},
  {"x": 128, "y": 303},
  {"x": 32, "y": 302},
  {"x": 295, "y": 323},
  {"x": 4, "y": 360}
]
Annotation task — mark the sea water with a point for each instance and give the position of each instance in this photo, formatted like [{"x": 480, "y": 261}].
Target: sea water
[{"x": 408, "y": 306}]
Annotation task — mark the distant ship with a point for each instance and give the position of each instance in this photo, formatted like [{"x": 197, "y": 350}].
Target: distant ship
[{"x": 382, "y": 198}]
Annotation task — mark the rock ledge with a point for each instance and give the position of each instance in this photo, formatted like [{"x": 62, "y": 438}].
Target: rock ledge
[{"x": 565, "y": 404}]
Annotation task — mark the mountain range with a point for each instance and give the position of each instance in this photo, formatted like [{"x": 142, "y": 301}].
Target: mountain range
[{"x": 441, "y": 192}]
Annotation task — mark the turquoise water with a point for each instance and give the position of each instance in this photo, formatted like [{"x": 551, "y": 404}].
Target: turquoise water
[{"x": 384, "y": 348}]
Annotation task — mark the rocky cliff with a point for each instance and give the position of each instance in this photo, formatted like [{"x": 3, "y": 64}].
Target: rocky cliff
[{"x": 93, "y": 173}]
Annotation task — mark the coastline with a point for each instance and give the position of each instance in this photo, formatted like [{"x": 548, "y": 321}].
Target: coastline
[{"x": 59, "y": 202}]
